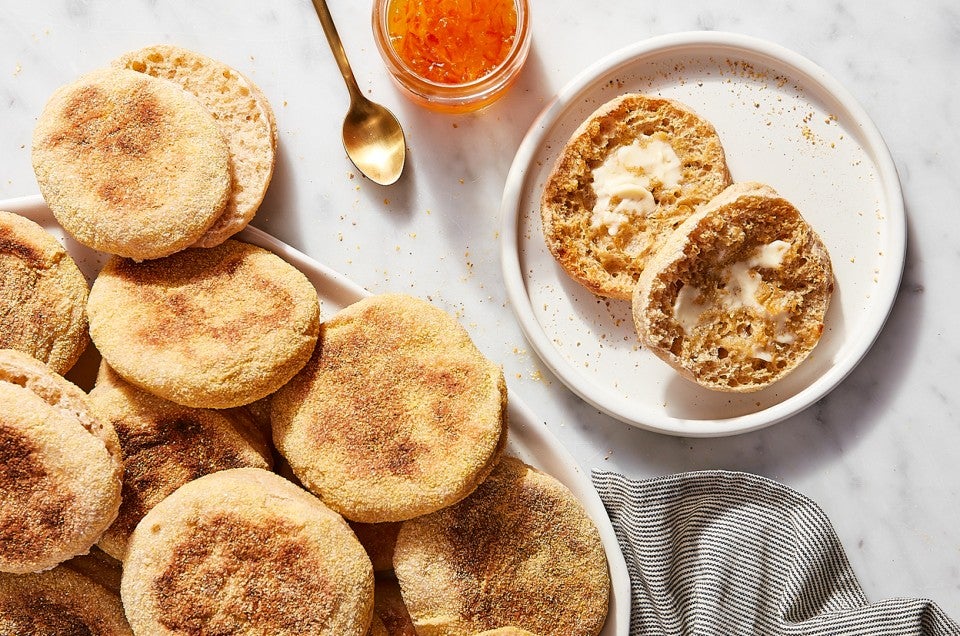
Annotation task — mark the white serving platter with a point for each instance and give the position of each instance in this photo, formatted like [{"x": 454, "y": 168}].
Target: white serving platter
[
  {"x": 783, "y": 121},
  {"x": 529, "y": 438}
]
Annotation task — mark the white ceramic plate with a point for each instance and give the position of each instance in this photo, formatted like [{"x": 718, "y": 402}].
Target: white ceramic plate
[
  {"x": 783, "y": 121},
  {"x": 529, "y": 438}
]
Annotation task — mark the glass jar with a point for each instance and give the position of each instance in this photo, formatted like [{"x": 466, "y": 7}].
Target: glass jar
[{"x": 453, "y": 98}]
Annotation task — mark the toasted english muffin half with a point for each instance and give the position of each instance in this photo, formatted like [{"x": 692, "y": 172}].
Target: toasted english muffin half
[
  {"x": 130, "y": 164},
  {"x": 736, "y": 298},
  {"x": 207, "y": 327},
  {"x": 43, "y": 295},
  {"x": 628, "y": 176},
  {"x": 57, "y": 602},
  {"x": 519, "y": 551},
  {"x": 243, "y": 551},
  {"x": 506, "y": 631},
  {"x": 397, "y": 414},
  {"x": 60, "y": 468},
  {"x": 165, "y": 445},
  {"x": 243, "y": 114}
]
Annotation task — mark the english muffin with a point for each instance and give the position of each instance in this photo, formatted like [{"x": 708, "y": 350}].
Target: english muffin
[
  {"x": 131, "y": 164},
  {"x": 165, "y": 445},
  {"x": 210, "y": 328},
  {"x": 737, "y": 297},
  {"x": 628, "y": 176},
  {"x": 506, "y": 631},
  {"x": 519, "y": 551},
  {"x": 60, "y": 467},
  {"x": 397, "y": 414},
  {"x": 243, "y": 551},
  {"x": 58, "y": 602},
  {"x": 43, "y": 295},
  {"x": 243, "y": 114}
]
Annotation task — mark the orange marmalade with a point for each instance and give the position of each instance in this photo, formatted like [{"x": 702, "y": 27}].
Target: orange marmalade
[{"x": 452, "y": 41}]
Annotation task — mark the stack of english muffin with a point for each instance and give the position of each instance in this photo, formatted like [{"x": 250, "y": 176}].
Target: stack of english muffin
[
  {"x": 728, "y": 282},
  {"x": 240, "y": 465}
]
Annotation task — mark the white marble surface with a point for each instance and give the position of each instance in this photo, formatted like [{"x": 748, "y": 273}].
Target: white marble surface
[{"x": 880, "y": 454}]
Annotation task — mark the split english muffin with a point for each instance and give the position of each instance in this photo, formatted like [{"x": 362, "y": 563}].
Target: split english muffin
[
  {"x": 131, "y": 164},
  {"x": 736, "y": 298},
  {"x": 164, "y": 446},
  {"x": 60, "y": 467},
  {"x": 43, "y": 295},
  {"x": 243, "y": 551},
  {"x": 59, "y": 601},
  {"x": 519, "y": 551},
  {"x": 628, "y": 176},
  {"x": 207, "y": 327},
  {"x": 243, "y": 115},
  {"x": 397, "y": 414}
]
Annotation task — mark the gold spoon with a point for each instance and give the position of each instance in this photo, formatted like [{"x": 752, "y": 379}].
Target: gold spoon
[{"x": 372, "y": 136}]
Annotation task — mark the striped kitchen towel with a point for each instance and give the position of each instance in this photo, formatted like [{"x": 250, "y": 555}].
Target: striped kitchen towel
[{"x": 718, "y": 552}]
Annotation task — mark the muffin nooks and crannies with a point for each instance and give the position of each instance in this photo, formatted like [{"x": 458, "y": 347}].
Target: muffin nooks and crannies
[
  {"x": 43, "y": 295},
  {"x": 243, "y": 115},
  {"x": 519, "y": 551},
  {"x": 736, "y": 298},
  {"x": 630, "y": 174},
  {"x": 396, "y": 415},
  {"x": 243, "y": 551},
  {"x": 130, "y": 164},
  {"x": 207, "y": 327},
  {"x": 60, "y": 467}
]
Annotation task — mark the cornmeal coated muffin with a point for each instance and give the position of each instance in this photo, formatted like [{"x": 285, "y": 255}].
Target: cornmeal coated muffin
[
  {"x": 131, "y": 164},
  {"x": 396, "y": 415},
  {"x": 243, "y": 114},
  {"x": 164, "y": 446},
  {"x": 210, "y": 328},
  {"x": 59, "y": 602},
  {"x": 736, "y": 298},
  {"x": 43, "y": 295},
  {"x": 244, "y": 552},
  {"x": 628, "y": 176},
  {"x": 519, "y": 551},
  {"x": 60, "y": 467}
]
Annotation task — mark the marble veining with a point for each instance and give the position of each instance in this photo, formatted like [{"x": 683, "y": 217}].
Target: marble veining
[{"x": 879, "y": 454}]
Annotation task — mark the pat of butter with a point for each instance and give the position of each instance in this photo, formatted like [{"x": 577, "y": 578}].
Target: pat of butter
[
  {"x": 623, "y": 183},
  {"x": 687, "y": 308},
  {"x": 742, "y": 282},
  {"x": 770, "y": 255}
]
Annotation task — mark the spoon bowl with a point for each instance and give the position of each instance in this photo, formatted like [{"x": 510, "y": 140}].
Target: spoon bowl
[{"x": 372, "y": 136}]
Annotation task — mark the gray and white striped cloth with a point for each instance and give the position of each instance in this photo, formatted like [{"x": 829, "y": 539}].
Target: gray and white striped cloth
[{"x": 719, "y": 552}]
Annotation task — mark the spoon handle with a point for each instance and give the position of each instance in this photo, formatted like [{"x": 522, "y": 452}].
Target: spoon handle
[{"x": 333, "y": 38}]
